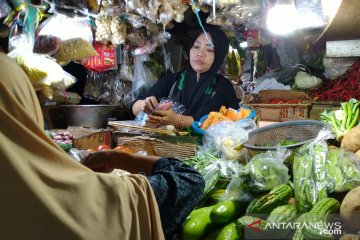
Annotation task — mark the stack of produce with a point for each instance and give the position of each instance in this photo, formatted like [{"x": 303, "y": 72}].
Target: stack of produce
[
  {"x": 344, "y": 119},
  {"x": 333, "y": 90},
  {"x": 260, "y": 194}
]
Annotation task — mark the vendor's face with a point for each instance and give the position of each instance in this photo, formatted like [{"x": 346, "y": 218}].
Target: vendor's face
[{"x": 202, "y": 54}]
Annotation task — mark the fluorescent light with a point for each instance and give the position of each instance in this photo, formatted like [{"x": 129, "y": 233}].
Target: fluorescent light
[{"x": 282, "y": 19}]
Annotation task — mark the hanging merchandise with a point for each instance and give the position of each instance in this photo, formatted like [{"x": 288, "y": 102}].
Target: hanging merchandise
[
  {"x": 100, "y": 86},
  {"x": 65, "y": 28},
  {"x": 110, "y": 29},
  {"x": 76, "y": 49},
  {"x": 75, "y": 34},
  {"x": 46, "y": 44},
  {"x": 73, "y": 8},
  {"x": 42, "y": 71},
  {"x": 104, "y": 60},
  {"x": 126, "y": 72}
]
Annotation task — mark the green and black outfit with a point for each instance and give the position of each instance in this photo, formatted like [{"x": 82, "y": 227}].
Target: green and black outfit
[{"x": 199, "y": 97}]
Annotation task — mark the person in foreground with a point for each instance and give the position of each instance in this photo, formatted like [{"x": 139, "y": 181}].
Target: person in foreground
[
  {"x": 199, "y": 88},
  {"x": 45, "y": 194}
]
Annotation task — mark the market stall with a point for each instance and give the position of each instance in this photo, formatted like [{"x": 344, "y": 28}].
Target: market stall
[{"x": 298, "y": 177}]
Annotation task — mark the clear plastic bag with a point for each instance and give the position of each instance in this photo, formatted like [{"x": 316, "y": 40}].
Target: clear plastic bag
[
  {"x": 65, "y": 28},
  {"x": 335, "y": 67},
  {"x": 225, "y": 140},
  {"x": 238, "y": 188},
  {"x": 42, "y": 71},
  {"x": 101, "y": 86},
  {"x": 309, "y": 172},
  {"x": 164, "y": 104},
  {"x": 267, "y": 170},
  {"x": 126, "y": 72},
  {"x": 342, "y": 170},
  {"x": 46, "y": 44}
]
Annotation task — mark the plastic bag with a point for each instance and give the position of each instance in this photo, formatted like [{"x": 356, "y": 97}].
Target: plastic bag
[
  {"x": 238, "y": 188},
  {"x": 217, "y": 173},
  {"x": 65, "y": 28},
  {"x": 267, "y": 170},
  {"x": 342, "y": 170},
  {"x": 101, "y": 86},
  {"x": 42, "y": 71},
  {"x": 225, "y": 140},
  {"x": 76, "y": 49},
  {"x": 126, "y": 72},
  {"x": 335, "y": 67},
  {"x": 46, "y": 44},
  {"x": 164, "y": 104},
  {"x": 110, "y": 28},
  {"x": 309, "y": 172}
]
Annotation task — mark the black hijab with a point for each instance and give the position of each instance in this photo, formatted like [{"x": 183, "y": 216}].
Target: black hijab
[{"x": 193, "y": 95}]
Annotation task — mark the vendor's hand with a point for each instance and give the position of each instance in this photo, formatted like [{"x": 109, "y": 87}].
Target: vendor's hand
[
  {"x": 100, "y": 161},
  {"x": 164, "y": 117},
  {"x": 150, "y": 104}
]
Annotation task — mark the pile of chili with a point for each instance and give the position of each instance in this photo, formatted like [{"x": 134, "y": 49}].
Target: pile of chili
[{"x": 343, "y": 88}]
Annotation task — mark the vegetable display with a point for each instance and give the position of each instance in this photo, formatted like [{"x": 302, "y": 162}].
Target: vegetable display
[
  {"x": 344, "y": 119},
  {"x": 260, "y": 193}
]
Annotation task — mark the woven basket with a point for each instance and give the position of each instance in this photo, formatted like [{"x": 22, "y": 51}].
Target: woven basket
[{"x": 302, "y": 132}]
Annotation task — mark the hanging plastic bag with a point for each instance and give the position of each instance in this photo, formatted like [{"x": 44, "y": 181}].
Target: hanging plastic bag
[
  {"x": 126, "y": 72},
  {"x": 65, "y": 28},
  {"x": 42, "y": 71},
  {"x": 46, "y": 44}
]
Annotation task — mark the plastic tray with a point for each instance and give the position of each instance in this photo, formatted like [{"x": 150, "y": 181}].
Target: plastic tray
[{"x": 196, "y": 124}]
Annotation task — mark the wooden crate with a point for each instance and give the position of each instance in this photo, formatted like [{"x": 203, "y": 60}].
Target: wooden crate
[
  {"x": 281, "y": 112},
  {"x": 319, "y": 107}
]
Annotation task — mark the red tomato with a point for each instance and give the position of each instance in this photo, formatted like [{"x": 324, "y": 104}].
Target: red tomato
[
  {"x": 103, "y": 147},
  {"x": 124, "y": 149}
]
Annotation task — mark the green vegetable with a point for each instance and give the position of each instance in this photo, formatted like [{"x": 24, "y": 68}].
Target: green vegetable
[
  {"x": 266, "y": 171},
  {"x": 286, "y": 142},
  {"x": 226, "y": 211},
  {"x": 349, "y": 120},
  {"x": 311, "y": 232},
  {"x": 309, "y": 176},
  {"x": 318, "y": 217},
  {"x": 229, "y": 232},
  {"x": 298, "y": 235},
  {"x": 342, "y": 173},
  {"x": 326, "y": 206},
  {"x": 285, "y": 213},
  {"x": 198, "y": 224},
  {"x": 280, "y": 195}
]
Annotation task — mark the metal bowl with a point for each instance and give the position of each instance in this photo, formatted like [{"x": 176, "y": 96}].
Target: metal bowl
[{"x": 91, "y": 116}]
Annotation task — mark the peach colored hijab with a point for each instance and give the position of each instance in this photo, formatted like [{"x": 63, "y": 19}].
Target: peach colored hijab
[{"x": 44, "y": 194}]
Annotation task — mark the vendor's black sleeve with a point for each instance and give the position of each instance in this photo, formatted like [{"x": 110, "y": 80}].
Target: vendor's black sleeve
[
  {"x": 178, "y": 189},
  {"x": 160, "y": 89}
]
